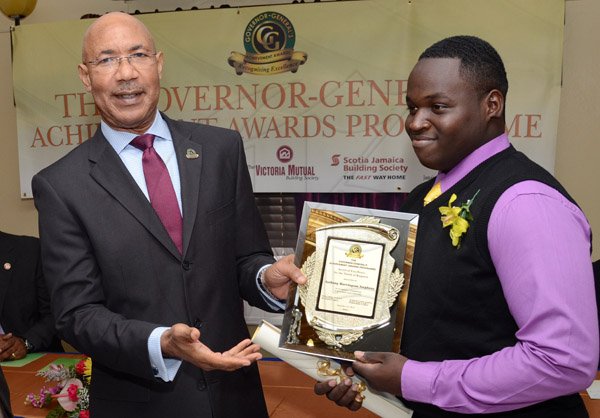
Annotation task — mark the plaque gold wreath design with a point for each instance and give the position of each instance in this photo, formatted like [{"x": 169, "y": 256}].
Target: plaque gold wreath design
[{"x": 352, "y": 280}]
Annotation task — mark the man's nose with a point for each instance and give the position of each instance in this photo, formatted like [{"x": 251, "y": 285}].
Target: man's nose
[
  {"x": 125, "y": 70},
  {"x": 418, "y": 121}
]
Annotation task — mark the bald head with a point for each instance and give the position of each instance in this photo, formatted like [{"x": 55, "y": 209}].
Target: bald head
[
  {"x": 110, "y": 25},
  {"x": 122, "y": 70}
]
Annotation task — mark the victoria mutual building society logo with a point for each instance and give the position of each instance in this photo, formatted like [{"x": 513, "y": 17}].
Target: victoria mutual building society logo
[
  {"x": 285, "y": 154},
  {"x": 269, "y": 41}
]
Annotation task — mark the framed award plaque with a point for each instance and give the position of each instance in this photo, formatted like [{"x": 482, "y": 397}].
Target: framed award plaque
[{"x": 358, "y": 263}]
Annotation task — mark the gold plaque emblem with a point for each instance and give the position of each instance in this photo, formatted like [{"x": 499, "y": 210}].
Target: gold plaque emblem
[{"x": 354, "y": 252}]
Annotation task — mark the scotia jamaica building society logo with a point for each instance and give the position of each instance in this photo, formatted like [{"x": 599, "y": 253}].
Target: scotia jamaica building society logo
[{"x": 269, "y": 41}]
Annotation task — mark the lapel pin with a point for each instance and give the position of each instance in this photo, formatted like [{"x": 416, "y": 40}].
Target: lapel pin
[
  {"x": 7, "y": 266},
  {"x": 191, "y": 154}
]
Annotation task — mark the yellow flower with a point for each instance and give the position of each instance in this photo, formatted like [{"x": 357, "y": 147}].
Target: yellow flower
[
  {"x": 457, "y": 217},
  {"x": 459, "y": 227},
  {"x": 88, "y": 369},
  {"x": 449, "y": 213}
]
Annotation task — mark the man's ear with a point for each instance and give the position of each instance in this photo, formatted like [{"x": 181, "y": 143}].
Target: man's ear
[
  {"x": 159, "y": 62},
  {"x": 84, "y": 76},
  {"x": 494, "y": 104}
]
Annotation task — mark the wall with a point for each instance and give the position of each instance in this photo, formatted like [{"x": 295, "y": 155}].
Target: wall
[{"x": 578, "y": 149}]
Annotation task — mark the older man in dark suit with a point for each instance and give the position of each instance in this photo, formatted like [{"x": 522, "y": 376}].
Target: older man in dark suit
[
  {"x": 151, "y": 238},
  {"x": 25, "y": 317}
]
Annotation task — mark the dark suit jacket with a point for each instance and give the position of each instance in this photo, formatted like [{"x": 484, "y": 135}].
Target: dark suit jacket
[
  {"x": 24, "y": 299},
  {"x": 114, "y": 273}
]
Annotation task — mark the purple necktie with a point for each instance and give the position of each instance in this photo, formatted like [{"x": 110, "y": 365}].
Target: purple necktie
[{"x": 160, "y": 189}]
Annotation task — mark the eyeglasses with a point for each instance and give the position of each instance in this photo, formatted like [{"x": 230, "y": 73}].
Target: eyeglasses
[{"x": 137, "y": 59}]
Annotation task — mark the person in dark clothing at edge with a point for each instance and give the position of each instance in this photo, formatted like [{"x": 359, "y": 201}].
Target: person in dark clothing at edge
[{"x": 26, "y": 323}]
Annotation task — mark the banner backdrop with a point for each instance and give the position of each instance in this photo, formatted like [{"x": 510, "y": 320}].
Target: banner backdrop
[{"x": 316, "y": 90}]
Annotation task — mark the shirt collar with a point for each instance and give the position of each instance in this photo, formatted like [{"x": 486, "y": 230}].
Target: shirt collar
[
  {"x": 487, "y": 150},
  {"x": 120, "y": 139}
]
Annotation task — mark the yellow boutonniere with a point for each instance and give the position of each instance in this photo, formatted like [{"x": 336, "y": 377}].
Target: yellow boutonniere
[{"x": 458, "y": 217}]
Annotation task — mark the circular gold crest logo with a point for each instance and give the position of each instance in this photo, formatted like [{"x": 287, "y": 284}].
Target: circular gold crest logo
[
  {"x": 269, "y": 32},
  {"x": 355, "y": 251},
  {"x": 269, "y": 40}
]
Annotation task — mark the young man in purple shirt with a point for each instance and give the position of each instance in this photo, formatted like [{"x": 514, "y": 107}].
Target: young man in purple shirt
[{"x": 502, "y": 315}]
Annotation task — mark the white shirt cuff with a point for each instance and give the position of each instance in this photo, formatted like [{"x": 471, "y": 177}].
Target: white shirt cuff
[{"x": 163, "y": 368}]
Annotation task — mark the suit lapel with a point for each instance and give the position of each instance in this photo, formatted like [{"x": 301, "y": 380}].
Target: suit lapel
[
  {"x": 189, "y": 159},
  {"x": 110, "y": 172}
]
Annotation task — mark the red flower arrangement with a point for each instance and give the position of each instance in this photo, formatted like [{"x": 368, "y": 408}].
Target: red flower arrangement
[{"x": 71, "y": 391}]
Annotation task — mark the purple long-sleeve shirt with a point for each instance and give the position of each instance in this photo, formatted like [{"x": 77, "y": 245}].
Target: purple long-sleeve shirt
[{"x": 540, "y": 245}]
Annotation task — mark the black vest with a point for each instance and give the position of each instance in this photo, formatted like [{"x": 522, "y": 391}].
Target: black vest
[{"x": 456, "y": 308}]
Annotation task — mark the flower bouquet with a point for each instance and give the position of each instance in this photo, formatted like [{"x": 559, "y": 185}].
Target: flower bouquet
[{"x": 71, "y": 390}]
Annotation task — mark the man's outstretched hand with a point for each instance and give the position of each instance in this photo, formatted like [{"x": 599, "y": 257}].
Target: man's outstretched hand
[{"x": 183, "y": 342}]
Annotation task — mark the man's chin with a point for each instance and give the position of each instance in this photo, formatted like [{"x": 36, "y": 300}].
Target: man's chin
[{"x": 135, "y": 122}]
